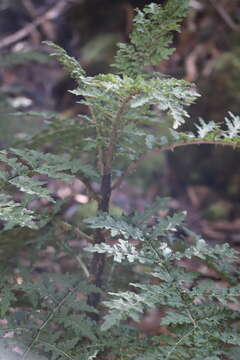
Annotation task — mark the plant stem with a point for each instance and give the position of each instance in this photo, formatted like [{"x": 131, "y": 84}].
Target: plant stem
[
  {"x": 105, "y": 193},
  {"x": 98, "y": 260},
  {"x": 117, "y": 124},
  {"x": 106, "y": 157},
  {"x": 133, "y": 166}
]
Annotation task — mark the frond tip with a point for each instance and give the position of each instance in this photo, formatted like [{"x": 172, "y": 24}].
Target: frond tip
[{"x": 151, "y": 37}]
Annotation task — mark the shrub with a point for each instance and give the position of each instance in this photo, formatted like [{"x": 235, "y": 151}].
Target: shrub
[{"x": 77, "y": 315}]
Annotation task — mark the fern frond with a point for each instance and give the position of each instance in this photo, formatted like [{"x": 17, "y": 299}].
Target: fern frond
[
  {"x": 151, "y": 37},
  {"x": 70, "y": 64}
]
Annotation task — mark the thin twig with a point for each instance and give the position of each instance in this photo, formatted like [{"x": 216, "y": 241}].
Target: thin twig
[
  {"x": 78, "y": 231},
  {"x": 78, "y": 258},
  {"x": 30, "y": 8},
  {"x": 92, "y": 193},
  {"x": 133, "y": 166},
  {"x": 36, "y": 36},
  {"x": 83, "y": 266},
  {"x": 47, "y": 26},
  {"x": 51, "y": 14},
  {"x": 45, "y": 323},
  {"x": 225, "y": 16},
  {"x": 179, "y": 342},
  {"x": 57, "y": 349}
]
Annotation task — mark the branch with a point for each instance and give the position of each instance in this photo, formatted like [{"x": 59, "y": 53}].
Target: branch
[
  {"x": 225, "y": 16},
  {"x": 92, "y": 193},
  {"x": 30, "y": 8},
  {"x": 47, "y": 26},
  {"x": 77, "y": 256},
  {"x": 179, "y": 342},
  {"x": 51, "y": 14},
  {"x": 57, "y": 349},
  {"x": 133, "y": 166},
  {"x": 45, "y": 323}
]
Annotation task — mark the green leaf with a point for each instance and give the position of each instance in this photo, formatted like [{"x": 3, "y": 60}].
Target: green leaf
[
  {"x": 15, "y": 214},
  {"x": 118, "y": 225},
  {"x": 32, "y": 187},
  {"x": 120, "y": 251}
]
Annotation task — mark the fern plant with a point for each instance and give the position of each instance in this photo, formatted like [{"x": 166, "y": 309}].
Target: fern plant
[{"x": 78, "y": 316}]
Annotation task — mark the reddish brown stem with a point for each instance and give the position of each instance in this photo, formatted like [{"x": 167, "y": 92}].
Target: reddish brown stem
[
  {"x": 98, "y": 260},
  {"x": 133, "y": 166}
]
